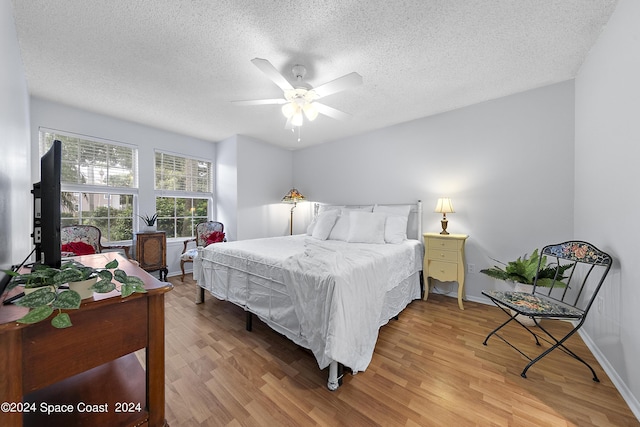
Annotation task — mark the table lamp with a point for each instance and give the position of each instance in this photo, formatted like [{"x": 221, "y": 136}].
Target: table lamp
[
  {"x": 293, "y": 196},
  {"x": 444, "y": 207}
]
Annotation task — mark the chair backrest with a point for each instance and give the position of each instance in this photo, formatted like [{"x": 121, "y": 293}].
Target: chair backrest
[
  {"x": 204, "y": 230},
  {"x": 88, "y": 234},
  {"x": 576, "y": 270}
]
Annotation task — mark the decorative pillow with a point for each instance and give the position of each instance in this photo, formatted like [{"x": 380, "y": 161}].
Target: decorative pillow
[
  {"x": 326, "y": 208},
  {"x": 215, "y": 237},
  {"x": 340, "y": 230},
  {"x": 395, "y": 230},
  {"x": 78, "y": 248},
  {"x": 366, "y": 227},
  {"x": 324, "y": 224}
]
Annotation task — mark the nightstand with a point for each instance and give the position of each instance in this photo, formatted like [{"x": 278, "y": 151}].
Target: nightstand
[
  {"x": 151, "y": 252},
  {"x": 444, "y": 260}
]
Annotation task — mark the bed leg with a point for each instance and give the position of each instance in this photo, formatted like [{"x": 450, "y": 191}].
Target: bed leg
[
  {"x": 335, "y": 376},
  {"x": 249, "y": 322},
  {"x": 199, "y": 294}
]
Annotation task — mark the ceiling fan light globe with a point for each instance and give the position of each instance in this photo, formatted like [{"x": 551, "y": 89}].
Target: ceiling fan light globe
[
  {"x": 310, "y": 111},
  {"x": 297, "y": 119},
  {"x": 288, "y": 110}
]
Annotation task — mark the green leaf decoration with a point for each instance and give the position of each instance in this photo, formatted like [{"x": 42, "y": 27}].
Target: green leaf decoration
[
  {"x": 103, "y": 286},
  {"x": 37, "y": 298},
  {"x": 68, "y": 275},
  {"x": 36, "y": 315},
  {"x": 126, "y": 290},
  {"x": 134, "y": 280},
  {"x": 68, "y": 300},
  {"x": 120, "y": 276},
  {"x": 113, "y": 264},
  {"x": 61, "y": 321},
  {"x": 105, "y": 275}
]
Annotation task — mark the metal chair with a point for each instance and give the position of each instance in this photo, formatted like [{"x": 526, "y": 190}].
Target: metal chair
[
  {"x": 206, "y": 233},
  {"x": 580, "y": 272},
  {"x": 90, "y": 235}
]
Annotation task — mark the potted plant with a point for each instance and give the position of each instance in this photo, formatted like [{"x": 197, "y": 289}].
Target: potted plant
[
  {"x": 149, "y": 222},
  {"x": 45, "y": 291},
  {"x": 522, "y": 273}
]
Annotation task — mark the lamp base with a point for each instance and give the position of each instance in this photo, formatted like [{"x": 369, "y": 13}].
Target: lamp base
[{"x": 444, "y": 223}]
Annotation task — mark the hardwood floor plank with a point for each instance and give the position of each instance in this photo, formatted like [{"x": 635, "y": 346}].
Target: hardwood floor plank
[{"x": 429, "y": 368}]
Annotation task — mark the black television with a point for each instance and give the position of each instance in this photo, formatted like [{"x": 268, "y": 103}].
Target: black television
[{"x": 46, "y": 208}]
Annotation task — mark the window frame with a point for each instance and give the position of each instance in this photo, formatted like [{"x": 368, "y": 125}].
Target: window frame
[
  {"x": 208, "y": 196},
  {"x": 112, "y": 191}
]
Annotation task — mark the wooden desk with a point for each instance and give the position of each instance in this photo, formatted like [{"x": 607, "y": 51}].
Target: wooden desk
[{"x": 90, "y": 365}]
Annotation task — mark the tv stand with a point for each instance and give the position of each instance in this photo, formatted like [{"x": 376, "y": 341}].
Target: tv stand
[{"x": 89, "y": 370}]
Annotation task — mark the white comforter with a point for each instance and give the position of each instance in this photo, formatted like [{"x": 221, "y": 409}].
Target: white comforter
[
  {"x": 338, "y": 297},
  {"x": 337, "y": 289}
]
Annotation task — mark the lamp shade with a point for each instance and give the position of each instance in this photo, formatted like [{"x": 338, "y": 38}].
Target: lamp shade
[
  {"x": 444, "y": 205},
  {"x": 293, "y": 196}
]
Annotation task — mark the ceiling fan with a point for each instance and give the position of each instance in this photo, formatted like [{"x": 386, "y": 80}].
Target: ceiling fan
[{"x": 300, "y": 98}]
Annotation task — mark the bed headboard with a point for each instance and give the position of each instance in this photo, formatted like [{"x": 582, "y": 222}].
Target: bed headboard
[{"x": 414, "y": 224}]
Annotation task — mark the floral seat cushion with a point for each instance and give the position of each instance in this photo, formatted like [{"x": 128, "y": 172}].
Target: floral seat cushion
[{"x": 533, "y": 304}]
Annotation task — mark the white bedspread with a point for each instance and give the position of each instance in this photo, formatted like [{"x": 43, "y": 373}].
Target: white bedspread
[
  {"x": 338, "y": 297},
  {"x": 328, "y": 296}
]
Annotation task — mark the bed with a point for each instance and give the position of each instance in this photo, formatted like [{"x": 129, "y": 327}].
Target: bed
[{"x": 329, "y": 290}]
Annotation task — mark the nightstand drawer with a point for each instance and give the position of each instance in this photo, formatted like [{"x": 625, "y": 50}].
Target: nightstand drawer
[
  {"x": 442, "y": 255},
  {"x": 443, "y": 271},
  {"x": 447, "y": 244}
]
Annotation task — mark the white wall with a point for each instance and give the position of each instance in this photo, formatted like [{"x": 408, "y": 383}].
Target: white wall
[
  {"x": 56, "y": 116},
  {"x": 507, "y": 165},
  {"x": 607, "y": 206},
  {"x": 227, "y": 186},
  {"x": 264, "y": 177},
  {"x": 16, "y": 204}
]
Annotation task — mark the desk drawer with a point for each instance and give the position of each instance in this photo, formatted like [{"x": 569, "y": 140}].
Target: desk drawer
[
  {"x": 443, "y": 271},
  {"x": 442, "y": 255},
  {"x": 447, "y": 244}
]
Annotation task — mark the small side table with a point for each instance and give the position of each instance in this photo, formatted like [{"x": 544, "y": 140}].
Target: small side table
[
  {"x": 151, "y": 252},
  {"x": 444, "y": 260}
]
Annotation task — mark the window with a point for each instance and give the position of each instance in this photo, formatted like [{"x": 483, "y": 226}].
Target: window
[
  {"x": 99, "y": 183},
  {"x": 183, "y": 193}
]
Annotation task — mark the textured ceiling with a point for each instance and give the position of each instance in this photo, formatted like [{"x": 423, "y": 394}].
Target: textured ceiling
[{"x": 178, "y": 64}]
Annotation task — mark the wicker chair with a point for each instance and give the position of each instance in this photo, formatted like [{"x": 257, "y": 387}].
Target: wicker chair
[
  {"x": 206, "y": 233},
  {"x": 90, "y": 235}
]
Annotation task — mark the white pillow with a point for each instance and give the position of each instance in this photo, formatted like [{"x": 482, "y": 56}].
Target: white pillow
[
  {"x": 324, "y": 224},
  {"x": 395, "y": 230},
  {"x": 326, "y": 208},
  {"x": 340, "y": 230},
  {"x": 366, "y": 227}
]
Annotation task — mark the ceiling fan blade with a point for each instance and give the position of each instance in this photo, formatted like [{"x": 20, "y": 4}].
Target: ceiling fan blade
[
  {"x": 341, "y": 83},
  {"x": 331, "y": 112},
  {"x": 271, "y": 72},
  {"x": 261, "y": 102}
]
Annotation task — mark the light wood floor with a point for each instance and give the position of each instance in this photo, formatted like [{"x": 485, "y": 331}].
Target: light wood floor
[{"x": 429, "y": 369}]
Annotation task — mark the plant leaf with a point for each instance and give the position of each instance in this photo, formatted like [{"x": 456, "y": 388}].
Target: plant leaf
[
  {"x": 36, "y": 315},
  {"x": 103, "y": 286},
  {"x": 37, "y": 298},
  {"x": 67, "y": 299},
  {"x": 105, "y": 275},
  {"x": 121, "y": 276},
  {"x": 126, "y": 290},
  {"x": 111, "y": 265},
  {"x": 61, "y": 321}
]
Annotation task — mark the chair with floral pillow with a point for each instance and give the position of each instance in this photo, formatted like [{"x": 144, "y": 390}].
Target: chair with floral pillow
[
  {"x": 580, "y": 269},
  {"x": 85, "y": 240},
  {"x": 206, "y": 233}
]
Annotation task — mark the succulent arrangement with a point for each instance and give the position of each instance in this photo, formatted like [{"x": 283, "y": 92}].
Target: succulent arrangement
[{"x": 149, "y": 220}]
